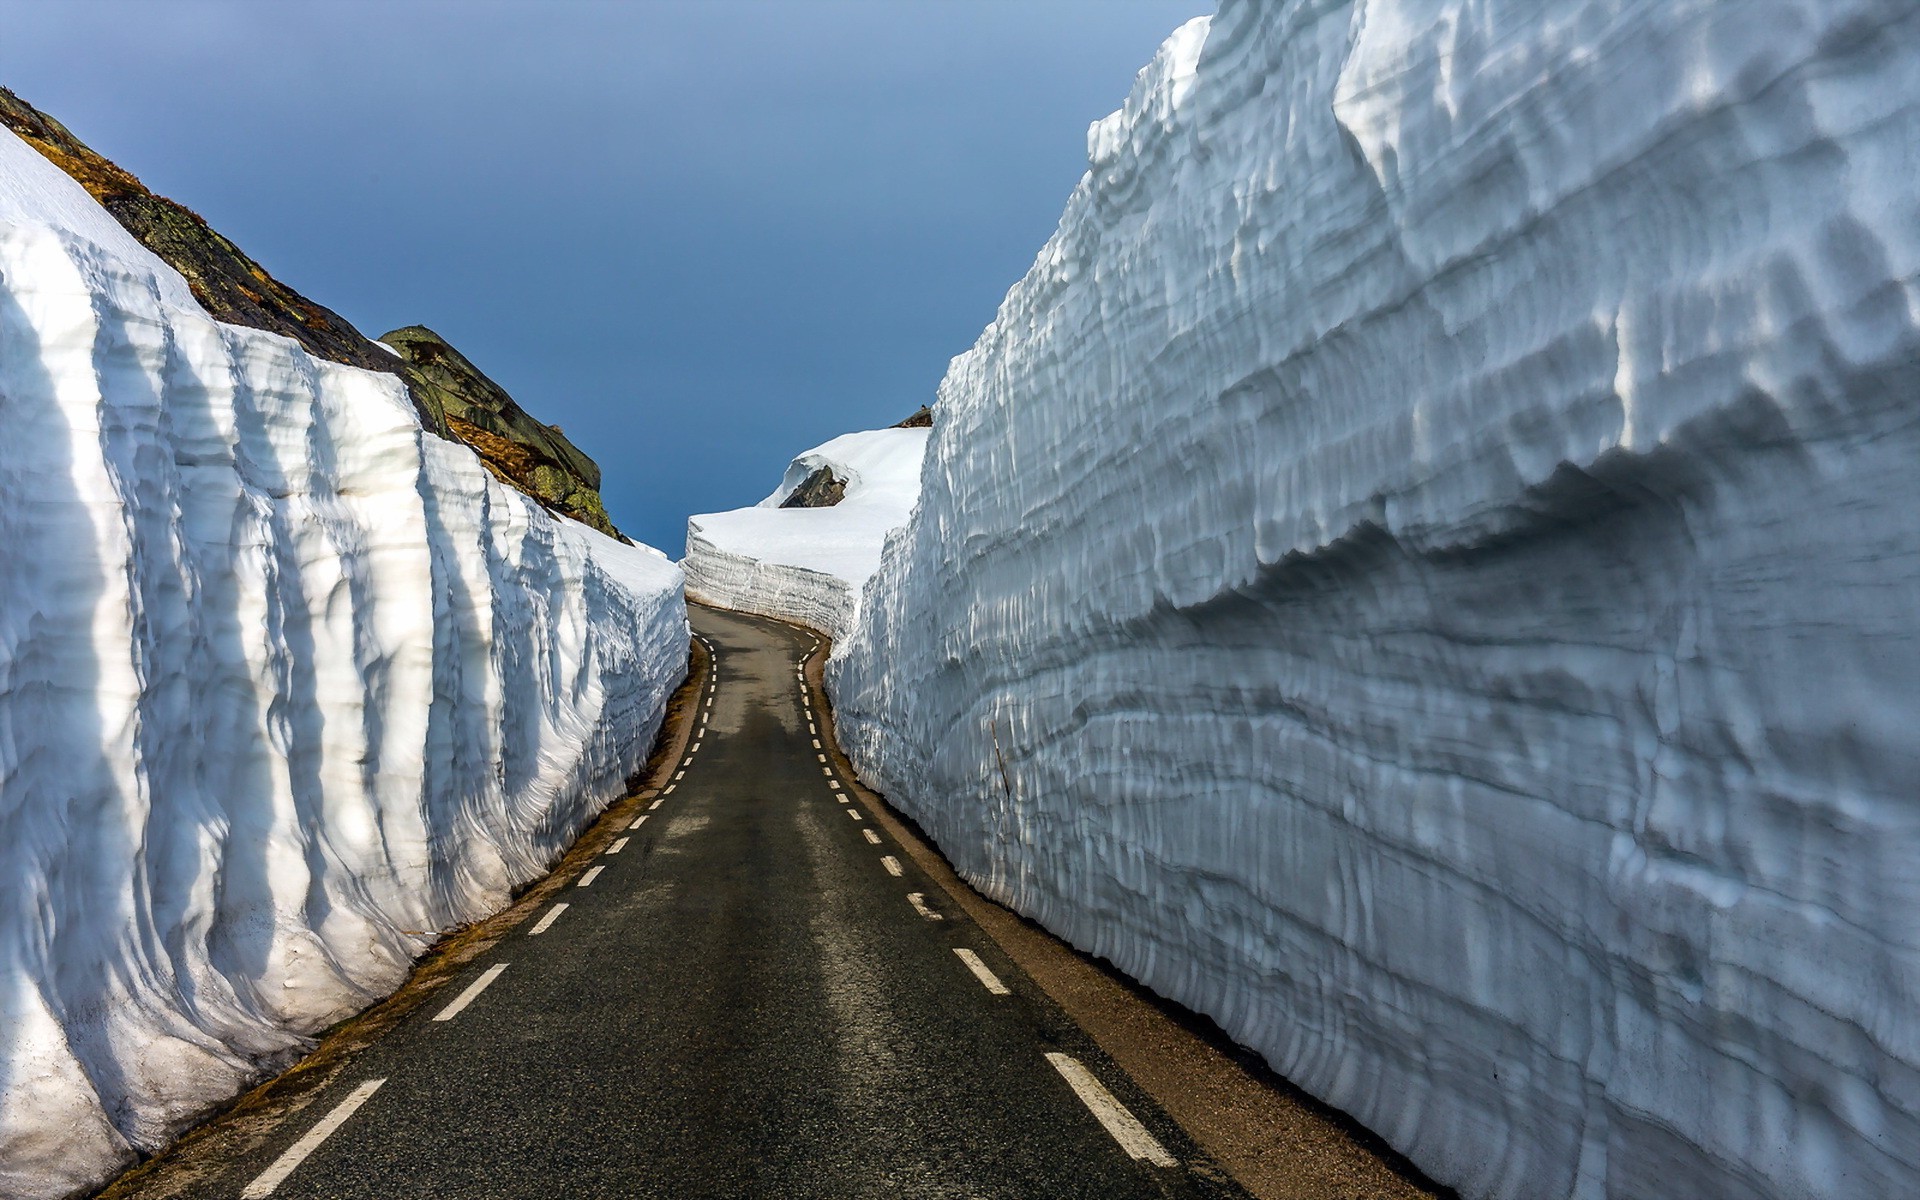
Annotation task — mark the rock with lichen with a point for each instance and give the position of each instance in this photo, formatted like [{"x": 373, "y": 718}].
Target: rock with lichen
[{"x": 538, "y": 459}]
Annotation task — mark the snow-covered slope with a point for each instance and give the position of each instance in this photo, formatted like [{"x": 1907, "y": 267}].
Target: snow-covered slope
[
  {"x": 283, "y": 681},
  {"x": 809, "y": 564},
  {"x": 1433, "y": 539}
]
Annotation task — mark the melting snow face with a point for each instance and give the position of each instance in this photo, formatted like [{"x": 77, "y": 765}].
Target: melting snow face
[
  {"x": 283, "y": 681},
  {"x": 1433, "y": 540},
  {"x": 810, "y": 564}
]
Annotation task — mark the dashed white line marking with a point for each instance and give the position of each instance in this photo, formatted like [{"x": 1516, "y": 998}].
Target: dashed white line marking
[
  {"x": 816, "y": 743},
  {"x": 680, "y": 775},
  {"x": 987, "y": 978},
  {"x": 840, "y": 796},
  {"x": 855, "y": 814},
  {"x": 696, "y": 748},
  {"x": 545, "y": 923},
  {"x": 919, "y": 902},
  {"x": 619, "y": 844},
  {"x": 821, "y": 757},
  {"x": 892, "y": 865},
  {"x": 296, "y": 1154},
  {"x": 871, "y": 836},
  {"x": 592, "y": 874},
  {"x": 473, "y": 989},
  {"x": 638, "y": 821},
  {"x": 659, "y": 802},
  {"x": 828, "y": 772},
  {"x": 1123, "y": 1125},
  {"x": 812, "y": 728}
]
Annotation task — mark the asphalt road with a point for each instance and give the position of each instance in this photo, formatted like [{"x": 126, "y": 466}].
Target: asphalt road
[{"x": 754, "y": 993}]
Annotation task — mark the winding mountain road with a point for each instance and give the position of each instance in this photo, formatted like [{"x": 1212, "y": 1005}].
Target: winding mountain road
[{"x": 750, "y": 991}]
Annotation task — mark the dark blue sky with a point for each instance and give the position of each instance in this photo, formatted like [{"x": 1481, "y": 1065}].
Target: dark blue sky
[{"x": 701, "y": 236}]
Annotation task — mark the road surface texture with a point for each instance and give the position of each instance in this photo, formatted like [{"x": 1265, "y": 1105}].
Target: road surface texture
[{"x": 749, "y": 980}]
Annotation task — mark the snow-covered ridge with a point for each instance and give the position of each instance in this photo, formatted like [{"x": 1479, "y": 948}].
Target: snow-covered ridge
[
  {"x": 810, "y": 564},
  {"x": 1432, "y": 538},
  {"x": 283, "y": 682}
]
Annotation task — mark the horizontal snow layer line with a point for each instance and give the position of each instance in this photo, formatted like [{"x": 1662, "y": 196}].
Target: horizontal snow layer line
[
  {"x": 811, "y": 598},
  {"x": 1421, "y": 570},
  {"x": 284, "y": 682}
]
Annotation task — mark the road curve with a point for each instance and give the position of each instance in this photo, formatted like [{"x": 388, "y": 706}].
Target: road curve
[{"x": 750, "y": 991}]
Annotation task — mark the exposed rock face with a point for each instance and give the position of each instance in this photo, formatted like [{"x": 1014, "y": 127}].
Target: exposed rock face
[
  {"x": 922, "y": 418},
  {"x": 818, "y": 490},
  {"x": 523, "y": 453}
]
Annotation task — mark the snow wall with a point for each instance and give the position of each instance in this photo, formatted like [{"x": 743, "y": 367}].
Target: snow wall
[
  {"x": 283, "y": 680},
  {"x": 810, "y": 564},
  {"x": 1433, "y": 536}
]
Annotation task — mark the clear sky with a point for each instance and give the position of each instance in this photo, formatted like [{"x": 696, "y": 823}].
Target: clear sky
[{"x": 700, "y": 235}]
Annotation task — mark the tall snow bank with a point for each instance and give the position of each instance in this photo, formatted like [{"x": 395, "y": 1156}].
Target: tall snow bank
[
  {"x": 283, "y": 682},
  {"x": 810, "y": 564},
  {"x": 1432, "y": 538}
]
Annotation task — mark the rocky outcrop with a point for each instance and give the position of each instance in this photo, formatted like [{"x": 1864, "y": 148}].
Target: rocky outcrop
[
  {"x": 818, "y": 490},
  {"x": 520, "y": 451}
]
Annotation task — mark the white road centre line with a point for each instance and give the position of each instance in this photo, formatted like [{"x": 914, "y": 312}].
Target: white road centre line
[
  {"x": 871, "y": 836},
  {"x": 638, "y": 821},
  {"x": 821, "y": 757},
  {"x": 296, "y": 1154},
  {"x": 812, "y": 728},
  {"x": 919, "y": 902},
  {"x": 619, "y": 844},
  {"x": 473, "y": 990},
  {"x": 892, "y": 865},
  {"x": 592, "y": 874},
  {"x": 545, "y": 923},
  {"x": 816, "y": 743},
  {"x": 696, "y": 748},
  {"x": 681, "y": 774},
  {"x": 841, "y": 797},
  {"x": 659, "y": 802},
  {"x": 828, "y": 772},
  {"x": 1123, "y": 1125},
  {"x": 987, "y": 978},
  {"x": 855, "y": 814}
]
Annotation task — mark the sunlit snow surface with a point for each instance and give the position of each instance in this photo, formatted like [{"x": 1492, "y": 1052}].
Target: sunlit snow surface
[
  {"x": 1434, "y": 539},
  {"x": 286, "y": 685},
  {"x": 809, "y": 564}
]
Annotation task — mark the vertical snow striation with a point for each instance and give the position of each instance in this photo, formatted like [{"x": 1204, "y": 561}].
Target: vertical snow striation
[
  {"x": 810, "y": 564},
  {"x": 1432, "y": 538},
  {"x": 286, "y": 685}
]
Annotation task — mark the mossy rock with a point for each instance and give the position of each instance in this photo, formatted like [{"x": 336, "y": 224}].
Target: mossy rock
[{"x": 536, "y": 458}]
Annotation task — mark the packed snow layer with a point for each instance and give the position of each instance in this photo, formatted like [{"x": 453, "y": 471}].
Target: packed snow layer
[
  {"x": 810, "y": 564},
  {"x": 285, "y": 686},
  {"x": 1432, "y": 542}
]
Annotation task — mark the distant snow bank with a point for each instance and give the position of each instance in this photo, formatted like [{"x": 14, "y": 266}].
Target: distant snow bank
[
  {"x": 810, "y": 564},
  {"x": 1433, "y": 538},
  {"x": 283, "y": 681}
]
